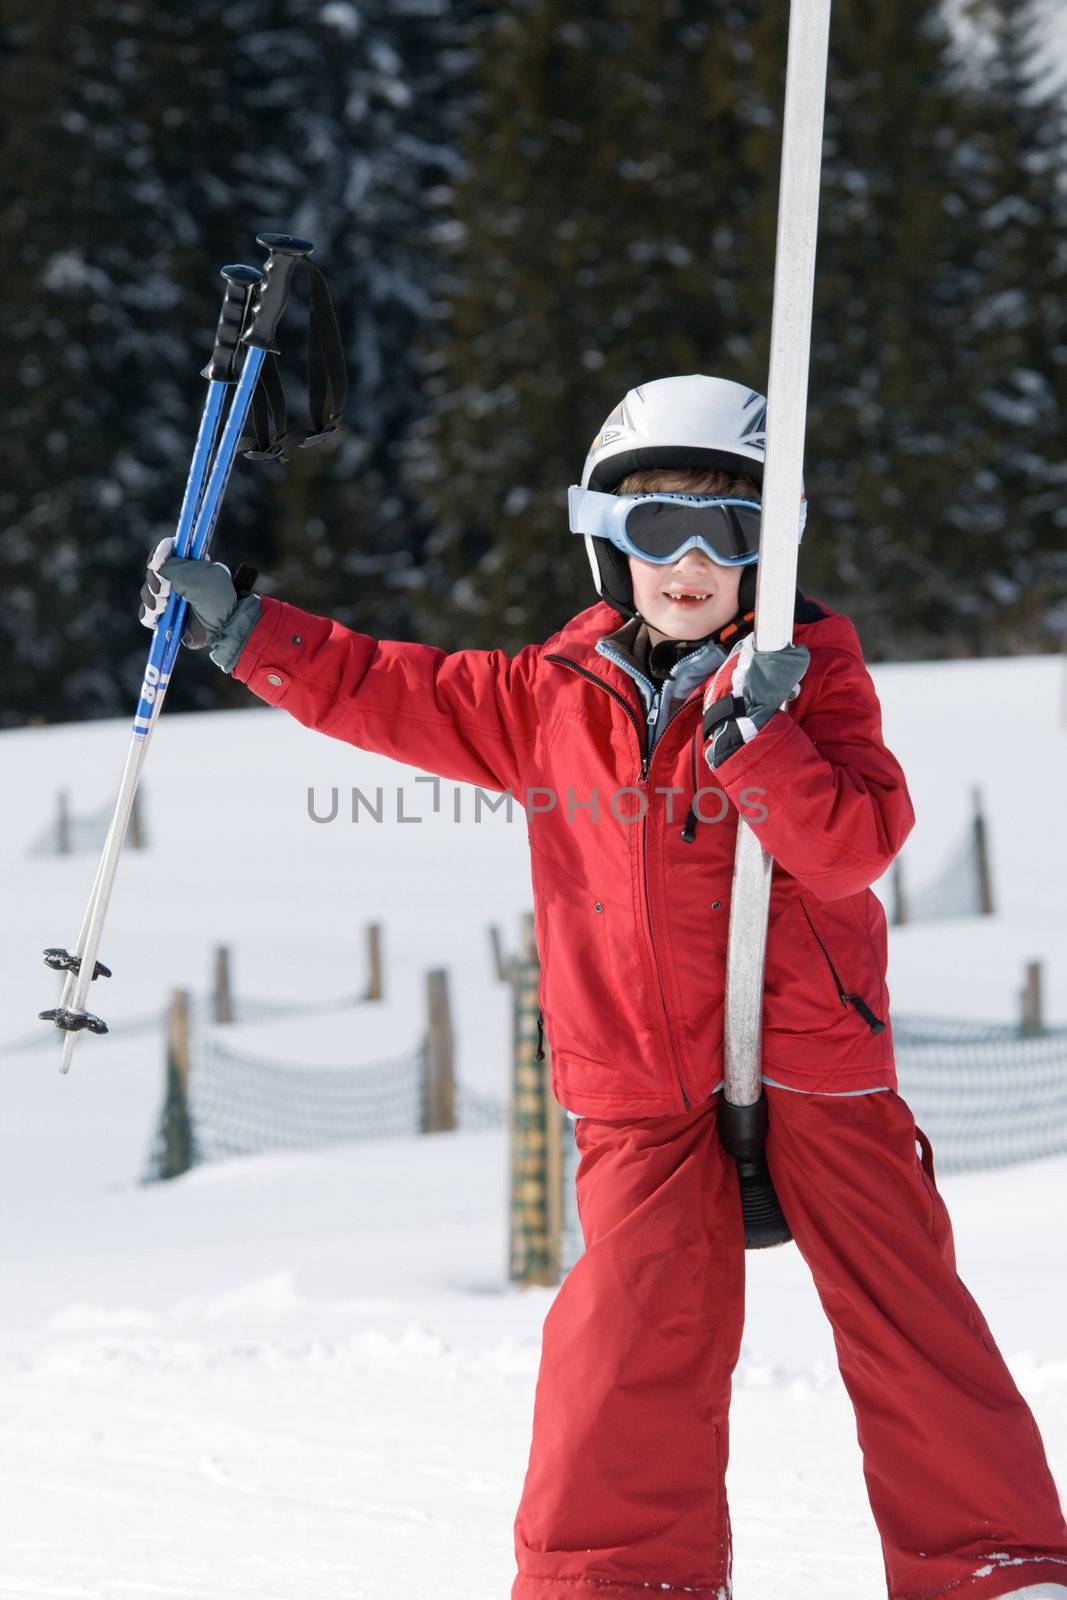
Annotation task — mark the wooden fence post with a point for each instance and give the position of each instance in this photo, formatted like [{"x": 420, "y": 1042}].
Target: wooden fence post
[
  {"x": 501, "y": 962},
  {"x": 1032, "y": 1021},
  {"x": 981, "y": 853},
  {"x": 223, "y": 989},
  {"x": 900, "y": 900},
  {"x": 439, "y": 1083},
  {"x": 175, "y": 1129},
  {"x": 62, "y": 823},
  {"x": 374, "y": 989},
  {"x": 536, "y": 1134}
]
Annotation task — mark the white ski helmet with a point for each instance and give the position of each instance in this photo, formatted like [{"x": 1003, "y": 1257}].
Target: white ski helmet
[
  {"x": 680, "y": 422},
  {"x": 694, "y": 421}
]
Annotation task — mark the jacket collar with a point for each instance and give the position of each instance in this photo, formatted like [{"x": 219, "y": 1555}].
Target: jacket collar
[
  {"x": 577, "y": 639},
  {"x": 628, "y": 647}
]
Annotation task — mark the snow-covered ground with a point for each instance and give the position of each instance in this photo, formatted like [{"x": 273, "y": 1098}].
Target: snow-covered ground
[{"x": 298, "y": 1376}]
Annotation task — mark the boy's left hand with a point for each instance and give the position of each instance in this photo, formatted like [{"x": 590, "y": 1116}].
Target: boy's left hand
[
  {"x": 207, "y": 585},
  {"x": 746, "y": 692}
]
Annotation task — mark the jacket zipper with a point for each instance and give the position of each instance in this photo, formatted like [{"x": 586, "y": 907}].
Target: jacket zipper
[
  {"x": 875, "y": 1024},
  {"x": 641, "y": 728},
  {"x": 652, "y": 941},
  {"x": 644, "y": 857}
]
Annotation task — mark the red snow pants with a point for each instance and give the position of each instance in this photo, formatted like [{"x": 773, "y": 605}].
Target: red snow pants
[{"x": 624, "y": 1496}]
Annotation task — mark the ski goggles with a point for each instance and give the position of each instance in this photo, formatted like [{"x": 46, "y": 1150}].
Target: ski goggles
[{"x": 661, "y": 527}]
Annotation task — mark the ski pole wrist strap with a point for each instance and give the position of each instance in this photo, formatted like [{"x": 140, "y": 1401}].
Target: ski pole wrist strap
[
  {"x": 720, "y": 711},
  {"x": 271, "y": 438}
]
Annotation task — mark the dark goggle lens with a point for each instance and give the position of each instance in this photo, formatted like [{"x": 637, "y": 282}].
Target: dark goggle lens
[{"x": 660, "y": 527}]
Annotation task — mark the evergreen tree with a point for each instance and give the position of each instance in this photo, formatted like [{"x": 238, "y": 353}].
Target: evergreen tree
[
  {"x": 146, "y": 153},
  {"x": 618, "y": 224},
  {"x": 889, "y": 429},
  {"x": 612, "y": 227},
  {"x": 1017, "y": 389}
]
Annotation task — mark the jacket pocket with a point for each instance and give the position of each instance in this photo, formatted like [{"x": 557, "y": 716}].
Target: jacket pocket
[
  {"x": 832, "y": 967},
  {"x": 577, "y": 992}
]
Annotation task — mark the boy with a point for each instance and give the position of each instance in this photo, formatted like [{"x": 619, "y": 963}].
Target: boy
[{"x": 625, "y": 1489}]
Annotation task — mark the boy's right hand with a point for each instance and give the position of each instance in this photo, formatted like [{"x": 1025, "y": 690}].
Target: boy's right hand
[
  {"x": 745, "y": 694},
  {"x": 207, "y": 585}
]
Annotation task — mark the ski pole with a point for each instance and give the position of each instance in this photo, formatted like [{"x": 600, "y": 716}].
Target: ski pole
[
  {"x": 219, "y": 371},
  {"x": 221, "y": 374},
  {"x": 743, "y": 1106},
  {"x": 268, "y": 301},
  {"x": 240, "y": 281},
  {"x": 69, "y": 1015}
]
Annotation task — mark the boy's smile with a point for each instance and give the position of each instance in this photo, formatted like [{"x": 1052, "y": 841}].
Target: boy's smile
[{"x": 686, "y": 600}]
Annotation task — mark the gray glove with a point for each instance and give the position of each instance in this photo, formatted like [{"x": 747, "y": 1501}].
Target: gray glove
[
  {"x": 746, "y": 692},
  {"x": 771, "y": 680},
  {"x": 221, "y": 613}
]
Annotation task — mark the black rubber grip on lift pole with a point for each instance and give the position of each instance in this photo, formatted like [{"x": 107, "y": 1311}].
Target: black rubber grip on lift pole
[
  {"x": 240, "y": 283},
  {"x": 268, "y": 306},
  {"x": 743, "y": 1132}
]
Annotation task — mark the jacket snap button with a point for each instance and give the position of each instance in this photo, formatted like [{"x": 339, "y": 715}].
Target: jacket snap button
[
  {"x": 715, "y": 904},
  {"x": 296, "y": 639},
  {"x": 598, "y": 906},
  {"x": 274, "y": 678}
]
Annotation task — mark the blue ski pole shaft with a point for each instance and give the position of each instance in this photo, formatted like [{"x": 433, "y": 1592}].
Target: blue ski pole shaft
[
  {"x": 265, "y": 313},
  {"x": 271, "y": 293},
  {"x": 156, "y": 675},
  {"x": 240, "y": 282}
]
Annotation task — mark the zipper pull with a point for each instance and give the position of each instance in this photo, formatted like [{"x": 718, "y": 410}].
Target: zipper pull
[
  {"x": 875, "y": 1024},
  {"x": 539, "y": 1053}
]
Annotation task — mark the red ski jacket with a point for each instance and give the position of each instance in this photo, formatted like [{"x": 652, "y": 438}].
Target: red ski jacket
[{"x": 631, "y": 920}]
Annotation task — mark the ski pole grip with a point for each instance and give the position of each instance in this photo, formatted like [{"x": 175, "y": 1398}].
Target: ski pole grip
[
  {"x": 240, "y": 282},
  {"x": 268, "y": 305}
]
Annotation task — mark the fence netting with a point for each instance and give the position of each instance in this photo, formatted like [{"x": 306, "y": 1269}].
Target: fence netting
[
  {"x": 245, "y": 1104},
  {"x": 239, "y": 1102},
  {"x": 956, "y": 890},
  {"x": 985, "y": 1095},
  {"x": 68, "y": 833}
]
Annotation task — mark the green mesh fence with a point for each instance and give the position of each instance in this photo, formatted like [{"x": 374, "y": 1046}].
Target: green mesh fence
[
  {"x": 74, "y": 833},
  {"x": 246, "y": 1105},
  {"x": 985, "y": 1095},
  {"x": 961, "y": 888},
  {"x": 242, "y": 1103},
  {"x": 956, "y": 890}
]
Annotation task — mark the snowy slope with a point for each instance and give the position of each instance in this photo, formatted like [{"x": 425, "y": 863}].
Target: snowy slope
[
  {"x": 296, "y": 1376},
  {"x": 292, "y": 895}
]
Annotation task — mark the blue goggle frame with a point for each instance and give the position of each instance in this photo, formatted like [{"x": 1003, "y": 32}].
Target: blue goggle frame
[{"x": 723, "y": 522}]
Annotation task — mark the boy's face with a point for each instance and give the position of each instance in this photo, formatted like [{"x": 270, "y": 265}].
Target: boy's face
[{"x": 686, "y": 600}]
